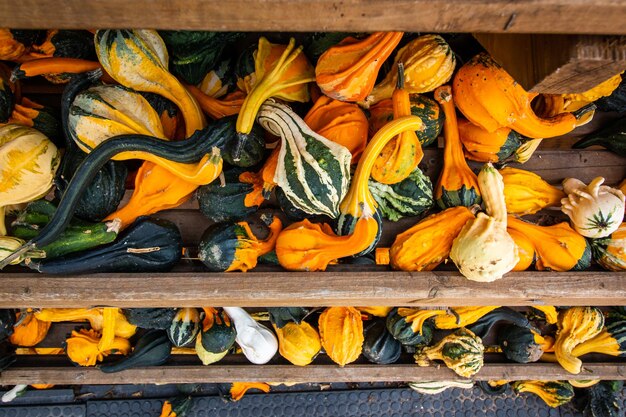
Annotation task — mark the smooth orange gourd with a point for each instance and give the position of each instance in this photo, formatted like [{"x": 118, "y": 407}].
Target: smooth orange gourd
[
  {"x": 30, "y": 330},
  {"x": 402, "y": 154},
  {"x": 483, "y": 146},
  {"x": 526, "y": 192},
  {"x": 457, "y": 184},
  {"x": 215, "y": 107},
  {"x": 348, "y": 71},
  {"x": 343, "y": 123},
  {"x": 525, "y": 249},
  {"x": 489, "y": 97},
  {"x": 54, "y": 68}
]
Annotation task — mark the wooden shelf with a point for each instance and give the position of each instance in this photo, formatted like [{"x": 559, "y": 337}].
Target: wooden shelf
[
  {"x": 500, "y": 16},
  {"x": 182, "y": 374},
  {"x": 334, "y": 288}
]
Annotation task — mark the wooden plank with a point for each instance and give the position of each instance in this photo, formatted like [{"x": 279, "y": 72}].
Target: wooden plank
[
  {"x": 557, "y": 64},
  {"x": 521, "y": 16},
  {"x": 337, "y": 287},
  {"x": 288, "y": 373}
]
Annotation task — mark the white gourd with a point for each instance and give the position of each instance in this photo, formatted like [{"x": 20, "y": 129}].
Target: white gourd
[{"x": 257, "y": 342}]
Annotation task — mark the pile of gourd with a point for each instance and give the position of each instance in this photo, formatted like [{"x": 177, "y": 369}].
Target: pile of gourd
[
  {"x": 115, "y": 339},
  {"x": 217, "y": 127}
]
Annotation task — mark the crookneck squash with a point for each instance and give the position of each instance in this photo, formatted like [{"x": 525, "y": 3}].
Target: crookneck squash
[
  {"x": 348, "y": 71},
  {"x": 461, "y": 351},
  {"x": 421, "y": 106},
  {"x": 280, "y": 71},
  {"x": 408, "y": 329},
  {"x": 28, "y": 163},
  {"x": 428, "y": 63},
  {"x": 457, "y": 184},
  {"x": 409, "y": 197},
  {"x": 428, "y": 243},
  {"x": 576, "y": 325},
  {"x": 610, "y": 251},
  {"x": 228, "y": 247},
  {"x": 340, "y": 122},
  {"x": 557, "y": 247},
  {"x": 489, "y": 97},
  {"x": 402, "y": 154},
  {"x": 553, "y": 393},
  {"x": 310, "y": 247},
  {"x": 610, "y": 341},
  {"x": 341, "y": 333},
  {"x": 526, "y": 192},
  {"x": 483, "y": 146},
  {"x": 313, "y": 171}
]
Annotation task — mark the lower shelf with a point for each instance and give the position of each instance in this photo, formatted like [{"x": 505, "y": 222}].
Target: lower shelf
[{"x": 181, "y": 374}]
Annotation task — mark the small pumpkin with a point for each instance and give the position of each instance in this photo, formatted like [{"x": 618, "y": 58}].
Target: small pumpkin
[
  {"x": 379, "y": 346},
  {"x": 526, "y": 192},
  {"x": 29, "y": 331},
  {"x": 553, "y": 393},
  {"x": 428, "y": 243},
  {"x": 610, "y": 251},
  {"x": 228, "y": 247},
  {"x": 461, "y": 351},
  {"x": 280, "y": 71},
  {"x": 408, "y": 331},
  {"x": 457, "y": 184},
  {"x": 340, "y": 122},
  {"x": 489, "y": 97},
  {"x": 576, "y": 325},
  {"x": 429, "y": 63},
  {"x": 185, "y": 327},
  {"x": 348, "y": 71},
  {"x": 483, "y": 146},
  {"x": 341, "y": 334},
  {"x": 595, "y": 210},
  {"x": 299, "y": 343}
]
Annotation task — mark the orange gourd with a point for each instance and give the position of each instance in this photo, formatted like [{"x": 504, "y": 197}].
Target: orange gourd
[
  {"x": 214, "y": 107},
  {"x": 526, "y": 192},
  {"x": 343, "y": 123},
  {"x": 348, "y": 71},
  {"x": 402, "y": 154},
  {"x": 341, "y": 333},
  {"x": 525, "y": 249},
  {"x": 55, "y": 68},
  {"x": 489, "y": 97},
  {"x": 30, "y": 330},
  {"x": 483, "y": 146}
]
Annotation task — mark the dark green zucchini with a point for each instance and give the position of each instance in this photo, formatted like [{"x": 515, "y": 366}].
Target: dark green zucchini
[
  {"x": 281, "y": 316},
  {"x": 7, "y": 321},
  {"x": 611, "y": 137},
  {"x": 223, "y": 203},
  {"x": 194, "y": 53},
  {"x": 483, "y": 326},
  {"x": 79, "y": 235},
  {"x": 151, "y": 318},
  {"x": 409, "y": 197},
  {"x": 379, "y": 346},
  {"x": 152, "y": 349},
  {"x": 147, "y": 245}
]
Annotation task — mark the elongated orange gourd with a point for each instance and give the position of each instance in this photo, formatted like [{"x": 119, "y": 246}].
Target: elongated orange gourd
[
  {"x": 457, "y": 184},
  {"x": 557, "y": 247},
  {"x": 401, "y": 155},
  {"x": 54, "y": 68},
  {"x": 348, "y": 71},
  {"x": 484, "y": 146},
  {"x": 217, "y": 108},
  {"x": 489, "y": 97},
  {"x": 343, "y": 123}
]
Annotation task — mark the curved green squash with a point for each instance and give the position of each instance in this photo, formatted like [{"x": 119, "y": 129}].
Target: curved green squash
[
  {"x": 409, "y": 197},
  {"x": 194, "y": 53},
  {"x": 401, "y": 330},
  {"x": 184, "y": 327},
  {"x": 152, "y": 349},
  {"x": 482, "y": 327},
  {"x": 519, "y": 344},
  {"x": 313, "y": 172},
  {"x": 151, "y": 318},
  {"x": 147, "y": 245},
  {"x": 217, "y": 334},
  {"x": 379, "y": 346},
  {"x": 79, "y": 235},
  {"x": 226, "y": 202},
  {"x": 611, "y": 137}
]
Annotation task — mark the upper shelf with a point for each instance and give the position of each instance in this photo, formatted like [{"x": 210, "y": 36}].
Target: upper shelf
[{"x": 498, "y": 16}]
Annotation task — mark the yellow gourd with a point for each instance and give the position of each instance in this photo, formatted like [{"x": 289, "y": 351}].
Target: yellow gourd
[
  {"x": 526, "y": 192},
  {"x": 341, "y": 333}
]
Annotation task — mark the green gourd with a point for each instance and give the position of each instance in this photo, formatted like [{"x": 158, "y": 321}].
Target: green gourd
[
  {"x": 152, "y": 349},
  {"x": 401, "y": 330},
  {"x": 151, "y": 318},
  {"x": 379, "y": 346},
  {"x": 409, "y": 197},
  {"x": 184, "y": 327}
]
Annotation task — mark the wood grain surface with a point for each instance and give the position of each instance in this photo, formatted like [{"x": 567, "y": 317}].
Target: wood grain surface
[{"x": 506, "y": 16}]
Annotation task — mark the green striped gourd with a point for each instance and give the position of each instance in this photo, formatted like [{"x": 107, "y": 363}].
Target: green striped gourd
[{"x": 185, "y": 327}]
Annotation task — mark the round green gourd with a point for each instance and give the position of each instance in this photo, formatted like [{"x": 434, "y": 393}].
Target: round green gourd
[
  {"x": 402, "y": 331},
  {"x": 184, "y": 327},
  {"x": 379, "y": 346},
  {"x": 222, "y": 203},
  {"x": 518, "y": 344},
  {"x": 409, "y": 197},
  {"x": 218, "y": 245},
  {"x": 218, "y": 334}
]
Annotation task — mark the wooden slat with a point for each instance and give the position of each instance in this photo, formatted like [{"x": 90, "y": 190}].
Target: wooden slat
[
  {"x": 513, "y": 16},
  {"x": 288, "y": 373},
  {"x": 557, "y": 64},
  {"x": 334, "y": 288}
]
